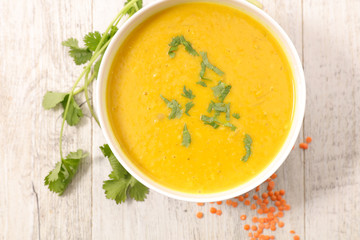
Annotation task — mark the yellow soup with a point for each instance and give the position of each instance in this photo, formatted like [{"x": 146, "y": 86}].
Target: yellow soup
[{"x": 261, "y": 93}]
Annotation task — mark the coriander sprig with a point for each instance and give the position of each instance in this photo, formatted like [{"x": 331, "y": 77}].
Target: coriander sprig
[{"x": 91, "y": 55}]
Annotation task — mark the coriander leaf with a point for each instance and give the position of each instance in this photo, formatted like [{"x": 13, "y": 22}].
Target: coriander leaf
[
  {"x": 188, "y": 93},
  {"x": 227, "y": 105},
  {"x": 136, "y": 7},
  {"x": 51, "y": 99},
  {"x": 236, "y": 115},
  {"x": 188, "y": 47},
  {"x": 59, "y": 178},
  {"x": 74, "y": 113},
  {"x": 211, "y": 106},
  {"x": 247, "y": 143},
  {"x": 221, "y": 90},
  {"x": 121, "y": 184},
  {"x": 233, "y": 127},
  {"x": 220, "y": 107},
  {"x": 174, "y": 106},
  {"x": 92, "y": 40},
  {"x": 205, "y": 61},
  {"x": 174, "y": 46},
  {"x": 209, "y": 121},
  {"x": 137, "y": 191},
  {"x": 186, "y": 137},
  {"x": 71, "y": 43},
  {"x": 118, "y": 170},
  {"x": 80, "y": 55},
  {"x": 188, "y": 106},
  {"x": 201, "y": 83},
  {"x": 202, "y": 71}
]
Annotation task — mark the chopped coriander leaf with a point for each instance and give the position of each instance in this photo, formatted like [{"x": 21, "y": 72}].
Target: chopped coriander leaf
[
  {"x": 247, "y": 143},
  {"x": 205, "y": 61},
  {"x": 186, "y": 137},
  {"x": 59, "y": 178},
  {"x": 211, "y": 106},
  {"x": 236, "y": 115},
  {"x": 174, "y": 106},
  {"x": 221, "y": 90},
  {"x": 227, "y": 105},
  {"x": 188, "y": 106},
  {"x": 201, "y": 83},
  {"x": 188, "y": 93},
  {"x": 209, "y": 121},
  {"x": 80, "y": 55},
  {"x": 121, "y": 184},
  {"x": 231, "y": 126},
  {"x": 174, "y": 46}
]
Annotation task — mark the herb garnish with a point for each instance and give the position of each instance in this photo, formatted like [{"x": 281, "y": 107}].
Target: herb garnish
[
  {"x": 174, "y": 106},
  {"x": 201, "y": 83},
  {"x": 236, "y": 115},
  {"x": 174, "y": 46},
  {"x": 206, "y": 64},
  {"x": 221, "y": 90},
  {"x": 95, "y": 45},
  {"x": 59, "y": 178},
  {"x": 209, "y": 121},
  {"x": 188, "y": 106},
  {"x": 247, "y": 143},
  {"x": 121, "y": 184},
  {"x": 188, "y": 93},
  {"x": 186, "y": 137}
]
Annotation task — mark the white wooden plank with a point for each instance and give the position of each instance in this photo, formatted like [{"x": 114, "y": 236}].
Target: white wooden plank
[
  {"x": 69, "y": 216},
  {"x": 332, "y": 68},
  {"x": 162, "y": 218},
  {"x": 32, "y": 62},
  {"x": 291, "y": 174}
]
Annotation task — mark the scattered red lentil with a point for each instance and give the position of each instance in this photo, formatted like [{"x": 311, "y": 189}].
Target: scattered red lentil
[
  {"x": 213, "y": 210},
  {"x": 303, "y": 145},
  {"x": 271, "y": 211},
  {"x": 308, "y": 139},
  {"x": 212, "y": 202},
  {"x": 199, "y": 215}
]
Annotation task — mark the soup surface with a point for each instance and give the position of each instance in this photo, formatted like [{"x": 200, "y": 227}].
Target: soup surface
[{"x": 261, "y": 94}]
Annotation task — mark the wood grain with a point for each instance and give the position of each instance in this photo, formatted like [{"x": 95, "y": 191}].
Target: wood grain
[
  {"x": 322, "y": 184},
  {"x": 332, "y": 68}
]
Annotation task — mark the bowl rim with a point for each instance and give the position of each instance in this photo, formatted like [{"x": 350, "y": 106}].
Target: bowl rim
[{"x": 299, "y": 93}]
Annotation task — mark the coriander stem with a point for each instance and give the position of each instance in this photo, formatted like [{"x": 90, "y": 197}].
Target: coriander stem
[
  {"x": 87, "y": 81},
  {"x": 96, "y": 54}
]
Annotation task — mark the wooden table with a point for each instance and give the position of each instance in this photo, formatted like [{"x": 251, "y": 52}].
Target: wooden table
[{"x": 322, "y": 183}]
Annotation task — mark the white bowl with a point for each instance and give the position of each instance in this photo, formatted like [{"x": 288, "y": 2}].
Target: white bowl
[{"x": 299, "y": 103}]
